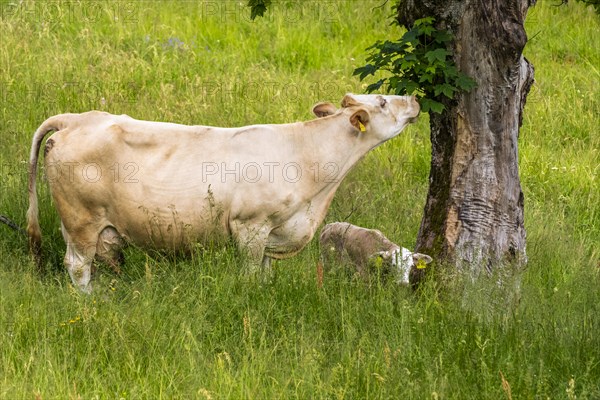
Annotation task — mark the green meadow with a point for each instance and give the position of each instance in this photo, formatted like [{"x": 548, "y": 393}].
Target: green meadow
[{"x": 198, "y": 328}]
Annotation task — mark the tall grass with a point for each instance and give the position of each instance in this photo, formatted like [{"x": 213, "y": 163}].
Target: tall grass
[{"x": 197, "y": 328}]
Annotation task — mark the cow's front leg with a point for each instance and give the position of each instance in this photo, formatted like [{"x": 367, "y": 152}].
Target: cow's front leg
[
  {"x": 252, "y": 239},
  {"x": 266, "y": 263},
  {"x": 108, "y": 249}
]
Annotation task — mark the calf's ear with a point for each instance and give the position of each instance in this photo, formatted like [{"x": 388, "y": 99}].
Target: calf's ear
[
  {"x": 380, "y": 258},
  {"x": 360, "y": 119},
  {"x": 324, "y": 109},
  {"x": 421, "y": 259},
  {"x": 386, "y": 255}
]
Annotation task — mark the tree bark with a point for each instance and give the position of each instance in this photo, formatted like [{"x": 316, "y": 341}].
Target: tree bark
[{"x": 473, "y": 215}]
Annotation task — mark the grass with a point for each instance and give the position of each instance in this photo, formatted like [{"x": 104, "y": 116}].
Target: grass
[{"x": 197, "y": 328}]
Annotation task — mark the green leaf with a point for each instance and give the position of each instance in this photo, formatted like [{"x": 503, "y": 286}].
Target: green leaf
[
  {"x": 426, "y": 78},
  {"x": 391, "y": 47},
  {"x": 375, "y": 45},
  {"x": 465, "y": 82},
  {"x": 424, "y": 21},
  {"x": 410, "y": 37},
  {"x": 406, "y": 65},
  {"x": 400, "y": 87},
  {"x": 258, "y": 7},
  {"x": 444, "y": 88},
  {"x": 428, "y": 105},
  {"x": 411, "y": 87},
  {"x": 426, "y": 30},
  {"x": 365, "y": 71},
  {"x": 375, "y": 86},
  {"x": 450, "y": 72},
  {"x": 442, "y": 36},
  {"x": 437, "y": 54}
]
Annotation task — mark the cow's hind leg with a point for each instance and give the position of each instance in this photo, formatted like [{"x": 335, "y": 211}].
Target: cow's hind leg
[
  {"x": 108, "y": 248},
  {"x": 78, "y": 260}
]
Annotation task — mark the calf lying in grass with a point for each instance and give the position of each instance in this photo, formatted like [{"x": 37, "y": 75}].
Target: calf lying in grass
[{"x": 368, "y": 251}]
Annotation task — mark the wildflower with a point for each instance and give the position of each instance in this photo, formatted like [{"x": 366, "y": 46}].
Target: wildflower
[
  {"x": 319, "y": 274},
  {"x": 204, "y": 392},
  {"x": 571, "y": 389},
  {"x": 247, "y": 327},
  {"x": 505, "y": 386}
]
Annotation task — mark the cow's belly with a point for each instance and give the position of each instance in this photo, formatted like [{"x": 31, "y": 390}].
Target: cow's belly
[
  {"x": 159, "y": 230},
  {"x": 175, "y": 223}
]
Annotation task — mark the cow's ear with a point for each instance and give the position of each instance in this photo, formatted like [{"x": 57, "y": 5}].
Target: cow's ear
[
  {"x": 421, "y": 260},
  {"x": 349, "y": 101},
  {"x": 324, "y": 109},
  {"x": 360, "y": 119}
]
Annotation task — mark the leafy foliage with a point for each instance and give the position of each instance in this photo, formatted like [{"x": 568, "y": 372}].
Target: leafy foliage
[
  {"x": 419, "y": 63},
  {"x": 594, "y": 3},
  {"x": 258, "y": 7}
]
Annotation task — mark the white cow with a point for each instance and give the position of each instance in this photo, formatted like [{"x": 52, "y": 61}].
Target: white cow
[
  {"x": 344, "y": 242},
  {"x": 160, "y": 185}
]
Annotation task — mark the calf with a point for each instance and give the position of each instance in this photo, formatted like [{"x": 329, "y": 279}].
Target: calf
[{"x": 361, "y": 247}]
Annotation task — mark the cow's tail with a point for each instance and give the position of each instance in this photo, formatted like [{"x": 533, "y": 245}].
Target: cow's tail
[
  {"x": 11, "y": 224},
  {"x": 34, "y": 232}
]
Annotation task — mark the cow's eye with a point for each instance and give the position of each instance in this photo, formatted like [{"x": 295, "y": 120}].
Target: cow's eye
[{"x": 382, "y": 102}]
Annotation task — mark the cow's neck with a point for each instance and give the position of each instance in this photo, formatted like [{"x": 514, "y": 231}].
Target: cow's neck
[
  {"x": 337, "y": 142},
  {"x": 340, "y": 145}
]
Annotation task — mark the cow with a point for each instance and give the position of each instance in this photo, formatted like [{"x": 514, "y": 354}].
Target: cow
[
  {"x": 362, "y": 248},
  {"x": 165, "y": 186}
]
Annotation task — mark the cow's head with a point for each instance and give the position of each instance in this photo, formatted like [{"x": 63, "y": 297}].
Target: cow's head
[
  {"x": 401, "y": 261},
  {"x": 375, "y": 115}
]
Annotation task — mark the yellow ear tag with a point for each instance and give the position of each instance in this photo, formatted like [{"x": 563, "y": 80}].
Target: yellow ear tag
[
  {"x": 421, "y": 264},
  {"x": 361, "y": 126}
]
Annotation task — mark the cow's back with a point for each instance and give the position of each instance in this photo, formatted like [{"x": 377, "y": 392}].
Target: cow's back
[{"x": 138, "y": 176}]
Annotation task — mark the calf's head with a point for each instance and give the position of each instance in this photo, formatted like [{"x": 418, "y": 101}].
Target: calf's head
[{"x": 399, "y": 261}]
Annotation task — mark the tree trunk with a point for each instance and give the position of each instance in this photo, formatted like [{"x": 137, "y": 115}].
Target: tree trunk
[{"x": 473, "y": 215}]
